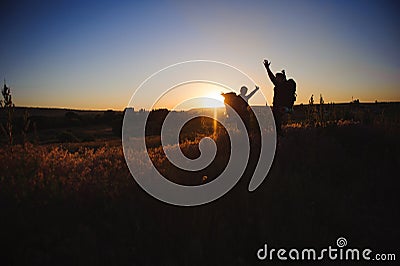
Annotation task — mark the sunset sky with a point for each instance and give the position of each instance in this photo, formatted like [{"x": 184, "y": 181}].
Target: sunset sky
[{"x": 93, "y": 55}]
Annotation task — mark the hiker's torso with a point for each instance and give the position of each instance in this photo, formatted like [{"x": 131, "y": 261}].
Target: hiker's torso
[
  {"x": 283, "y": 94},
  {"x": 279, "y": 94}
]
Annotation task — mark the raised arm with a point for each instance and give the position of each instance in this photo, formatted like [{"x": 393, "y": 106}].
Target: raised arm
[
  {"x": 270, "y": 74},
  {"x": 252, "y": 93}
]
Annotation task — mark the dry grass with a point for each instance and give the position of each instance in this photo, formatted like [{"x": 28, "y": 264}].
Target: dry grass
[{"x": 71, "y": 204}]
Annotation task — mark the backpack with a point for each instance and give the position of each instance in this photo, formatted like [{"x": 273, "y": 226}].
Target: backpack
[
  {"x": 236, "y": 102},
  {"x": 289, "y": 94}
]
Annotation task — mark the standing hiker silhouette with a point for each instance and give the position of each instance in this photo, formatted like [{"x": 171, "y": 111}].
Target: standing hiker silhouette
[
  {"x": 243, "y": 92},
  {"x": 240, "y": 105},
  {"x": 284, "y": 95}
]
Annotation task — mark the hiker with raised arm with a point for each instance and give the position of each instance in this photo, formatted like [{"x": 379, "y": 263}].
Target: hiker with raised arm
[
  {"x": 243, "y": 92},
  {"x": 239, "y": 103},
  {"x": 284, "y": 95}
]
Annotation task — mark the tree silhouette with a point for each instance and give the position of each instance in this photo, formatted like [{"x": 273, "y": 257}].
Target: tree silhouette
[{"x": 7, "y": 107}]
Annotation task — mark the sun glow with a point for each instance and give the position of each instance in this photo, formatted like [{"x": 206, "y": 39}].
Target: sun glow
[
  {"x": 212, "y": 103},
  {"x": 192, "y": 95}
]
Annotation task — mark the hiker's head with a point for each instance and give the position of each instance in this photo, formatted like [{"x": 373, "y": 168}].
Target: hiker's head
[
  {"x": 280, "y": 77},
  {"x": 243, "y": 90}
]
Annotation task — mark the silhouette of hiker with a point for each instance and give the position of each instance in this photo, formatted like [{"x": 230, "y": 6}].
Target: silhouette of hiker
[
  {"x": 284, "y": 95},
  {"x": 240, "y": 104},
  {"x": 243, "y": 91}
]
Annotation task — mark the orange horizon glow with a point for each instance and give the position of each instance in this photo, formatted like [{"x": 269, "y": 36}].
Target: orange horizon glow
[{"x": 88, "y": 56}]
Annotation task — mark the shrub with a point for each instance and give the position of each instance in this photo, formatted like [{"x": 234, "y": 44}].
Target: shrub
[{"x": 66, "y": 136}]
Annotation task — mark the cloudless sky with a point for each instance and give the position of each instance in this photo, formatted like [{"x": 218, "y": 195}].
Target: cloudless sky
[{"x": 93, "y": 55}]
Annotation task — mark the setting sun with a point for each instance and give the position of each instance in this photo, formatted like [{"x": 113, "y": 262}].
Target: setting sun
[
  {"x": 192, "y": 95},
  {"x": 212, "y": 103}
]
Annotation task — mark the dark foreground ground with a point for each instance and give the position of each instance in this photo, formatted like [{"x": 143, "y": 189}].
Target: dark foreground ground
[{"x": 59, "y": 207}]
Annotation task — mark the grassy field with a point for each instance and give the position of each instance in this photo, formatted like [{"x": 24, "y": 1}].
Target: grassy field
[{"x": 335, "y": 174}]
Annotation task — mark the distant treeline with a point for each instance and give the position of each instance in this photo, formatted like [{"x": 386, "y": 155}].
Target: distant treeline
[{"x": 29, "y": 123}]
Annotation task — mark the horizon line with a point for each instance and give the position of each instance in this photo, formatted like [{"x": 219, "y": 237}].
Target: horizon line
[{"x": 137, "y": 109}]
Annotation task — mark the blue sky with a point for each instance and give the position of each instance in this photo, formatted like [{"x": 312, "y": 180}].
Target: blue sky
[{"x": 93, "y": 55}]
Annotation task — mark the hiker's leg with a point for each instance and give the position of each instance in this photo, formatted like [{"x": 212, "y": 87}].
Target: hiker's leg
[{"x": 278, "y": 120}]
